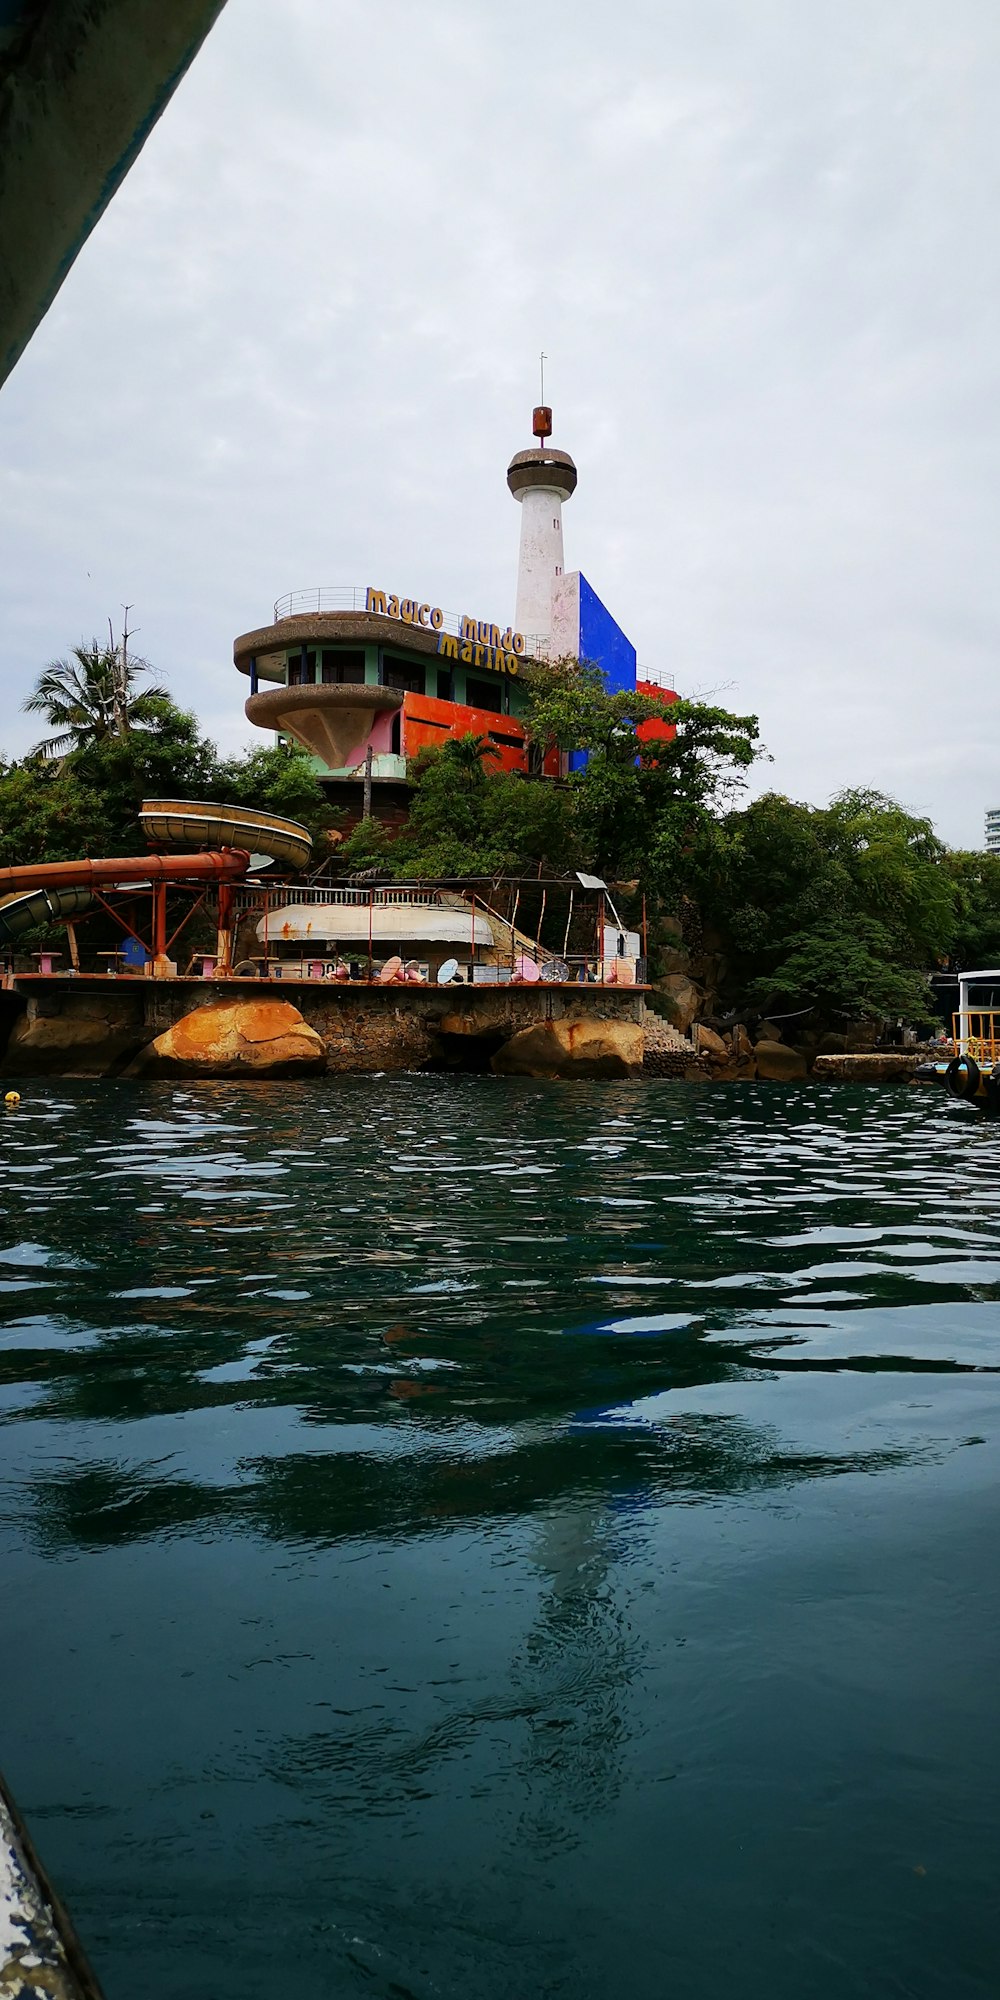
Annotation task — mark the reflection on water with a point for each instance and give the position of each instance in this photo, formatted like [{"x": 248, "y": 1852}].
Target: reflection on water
[{"x": 466, "y": 1536}]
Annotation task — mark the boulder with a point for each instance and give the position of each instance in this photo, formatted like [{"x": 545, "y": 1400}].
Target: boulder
[
  {"x": 673, "y": 958},
  {"x": 861, "y": 1039},
  {"x": 245, "y": 1037},
  {"x": 768, "y": 1031},
  {"x": 681, "y": 998},
  {"x": 668, "y": 927},
  {"x": 778, "y": 1063},
  {"x": 94, "y": 1036},
  {"x": 712, "y": 1045},
  {"x": 742, "y": 1045},
  {"x": 573, "y": 1048},
  {"x": 831, "y": 1044}
]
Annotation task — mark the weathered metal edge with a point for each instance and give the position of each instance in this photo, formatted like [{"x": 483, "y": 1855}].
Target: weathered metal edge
[{"x": 41, "y": 1957}]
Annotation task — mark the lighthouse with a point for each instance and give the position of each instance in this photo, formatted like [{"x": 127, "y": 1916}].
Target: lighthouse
[{"x": 540, "y": 480}]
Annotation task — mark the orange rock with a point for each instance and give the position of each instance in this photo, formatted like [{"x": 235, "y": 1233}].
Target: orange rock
[
  {"x": 572, "y": 1048},
  {"x": 255, "y": 1037}
]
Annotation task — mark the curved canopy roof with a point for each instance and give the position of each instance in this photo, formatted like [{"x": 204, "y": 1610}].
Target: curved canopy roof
[{"x": 392, "y": 923}]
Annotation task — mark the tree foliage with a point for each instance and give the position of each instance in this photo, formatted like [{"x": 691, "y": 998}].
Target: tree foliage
[
  {"x": 95, "y": 695},
  {"x": 842, "y": 909}
]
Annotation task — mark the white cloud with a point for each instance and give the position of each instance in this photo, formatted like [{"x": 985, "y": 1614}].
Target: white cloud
[{"x": 758, "y": 247}]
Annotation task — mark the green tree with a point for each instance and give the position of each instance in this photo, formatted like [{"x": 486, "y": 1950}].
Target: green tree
[
  {"x": 843, "y": 909},
  {"x": 639, "y": 805},
  {"x": 95, "y": 694},
  {"x": 278, "y": 779},
  {"x": 975, "y": 878}
]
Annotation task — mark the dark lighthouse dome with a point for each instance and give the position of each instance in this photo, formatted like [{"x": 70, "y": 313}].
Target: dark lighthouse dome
[{"x": 542, "y": 467}]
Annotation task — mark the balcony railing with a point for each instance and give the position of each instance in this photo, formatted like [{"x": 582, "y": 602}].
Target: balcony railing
[
  {"x": 342, "y": 597},
  {"x": 421, "y": 899}
]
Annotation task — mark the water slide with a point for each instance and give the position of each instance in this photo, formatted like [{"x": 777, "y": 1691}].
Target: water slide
[{"x": 228, "y": 842}]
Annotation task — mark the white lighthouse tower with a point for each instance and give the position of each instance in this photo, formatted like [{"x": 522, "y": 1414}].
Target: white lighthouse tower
[{"x": 540, "y": 479}]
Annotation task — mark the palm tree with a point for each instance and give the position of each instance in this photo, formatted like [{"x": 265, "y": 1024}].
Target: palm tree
[
  {"x": 93, "y": 695},
  {"x": 467, "y": 754}
]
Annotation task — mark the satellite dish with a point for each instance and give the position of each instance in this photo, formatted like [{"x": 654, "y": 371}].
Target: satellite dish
[
  {"x": 527, "y": 970},
  {"x": 555, "y": 972},
  {"x": 259, "y": 861},
  {"x": 447, "y": 971},
  {"x": 390, "y": 970}
]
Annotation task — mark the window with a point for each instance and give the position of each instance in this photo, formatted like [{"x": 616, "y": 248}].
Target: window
[
  {"x": 342, "y": 669},
  {"x": 483, "y": 694},
  {"x": 446, "y": 684},
  {"x": 395, "y": 735},
  {"x": 301, "y": 669},
  {"x": 400, "y": 674},
  {"x": 508, "y": 742}
]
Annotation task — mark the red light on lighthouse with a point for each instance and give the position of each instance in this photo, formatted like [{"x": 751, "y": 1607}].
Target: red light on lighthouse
[{"x": 541, "y": 421}]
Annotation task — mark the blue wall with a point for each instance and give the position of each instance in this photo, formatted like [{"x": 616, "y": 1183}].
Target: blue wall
[{"x": 604, "y": 642}]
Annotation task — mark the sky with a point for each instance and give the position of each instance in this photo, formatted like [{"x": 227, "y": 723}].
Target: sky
[{"x": 759, "y": 245}]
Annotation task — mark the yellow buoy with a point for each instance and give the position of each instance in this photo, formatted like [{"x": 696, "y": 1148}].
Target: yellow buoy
[{"x": 12, "y": 1097}]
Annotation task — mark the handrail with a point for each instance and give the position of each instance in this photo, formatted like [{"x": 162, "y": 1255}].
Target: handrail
[
  {"x": 249, "y": 896},
  {"x": 342, "y": 597},
  {"x": 976, "y": 1033}
]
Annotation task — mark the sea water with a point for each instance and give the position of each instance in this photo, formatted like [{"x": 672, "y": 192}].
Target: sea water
[{"x": 466, "y": 1537}]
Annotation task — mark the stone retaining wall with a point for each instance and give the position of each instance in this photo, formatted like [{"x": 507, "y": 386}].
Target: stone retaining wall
[{"x": 60, "y": 1026}]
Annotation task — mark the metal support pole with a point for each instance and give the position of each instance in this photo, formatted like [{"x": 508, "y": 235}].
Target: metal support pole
[
  {"x": 224, "y": 935},
  {"x": 366, "y": 809},
  {"x": 160, "y": 920}
]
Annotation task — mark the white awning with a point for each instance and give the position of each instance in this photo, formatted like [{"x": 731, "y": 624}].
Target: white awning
[{"x": 391, "y": 924}]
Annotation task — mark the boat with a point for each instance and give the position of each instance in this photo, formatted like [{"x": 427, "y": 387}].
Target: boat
[{"x": 972, "y": 1072}]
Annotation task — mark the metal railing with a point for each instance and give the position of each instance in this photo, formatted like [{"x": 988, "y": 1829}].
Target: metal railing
[
  {"x": 343, "y": 597},
  {"x": 976, "y": 1033},
  {"x": 280, "y": 896}
]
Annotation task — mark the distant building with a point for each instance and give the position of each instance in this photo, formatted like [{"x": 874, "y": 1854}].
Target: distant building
[
  {"x": 993, "y": 830},
  {"x": 350, "y": 670}
]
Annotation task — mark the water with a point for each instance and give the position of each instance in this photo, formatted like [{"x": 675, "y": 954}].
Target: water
[{"x": 466, "y": 1538}]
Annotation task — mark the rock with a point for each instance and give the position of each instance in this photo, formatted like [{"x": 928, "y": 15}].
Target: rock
[
  {"x": 861, "y": 1038},
  {"x": 778, "y": 1063},
  {"x": 831, "y": 1044},
  {"x": 681, "y": 998},
  {"x": 768, "y": 1031},
  {"x": 743, "y": 1046},
  {"x": 874, "y": 1068},
  {"x": 712, "y": 1045},
  {"x": 668, "y": 927},
  {"x": 674, "y": 959},
  {"x": 94, "y": 1037},
  {"x": 572, "y": 1048},
  {"x": 245, "y": 1037},
  {"x": 459, "y": 1024}
]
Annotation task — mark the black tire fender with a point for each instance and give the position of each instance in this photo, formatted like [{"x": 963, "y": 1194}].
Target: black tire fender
[{"x": 963, "y": 1076}]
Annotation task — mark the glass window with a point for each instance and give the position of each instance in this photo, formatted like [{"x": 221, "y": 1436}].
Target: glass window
[
  {"x": 400, "y": 674},
  {"x": 484, "y": 694},
  {"x": 446, "y": 684},
  {"x": 342, "y": 668}
]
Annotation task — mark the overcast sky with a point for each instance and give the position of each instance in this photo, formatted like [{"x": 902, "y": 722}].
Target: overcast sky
[{"x": 758, "y": 240}]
